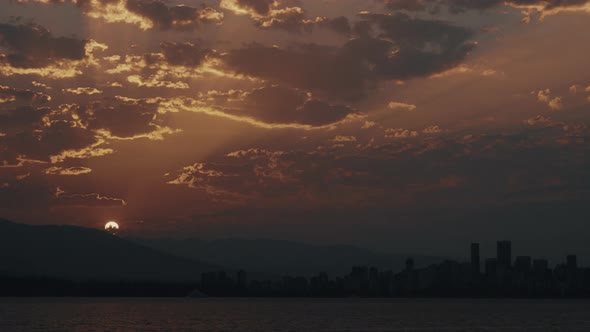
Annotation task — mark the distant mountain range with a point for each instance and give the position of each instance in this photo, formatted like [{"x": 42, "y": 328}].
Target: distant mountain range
[
  {"x": 278, "y": 258},
  {"x": 78, "y": 253}
]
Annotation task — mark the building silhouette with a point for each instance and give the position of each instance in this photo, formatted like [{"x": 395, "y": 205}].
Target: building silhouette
[
  {"x": 475, "y": 260},
  {"x": 504, "y": 254},
  {"x": 524, "y": 277}
]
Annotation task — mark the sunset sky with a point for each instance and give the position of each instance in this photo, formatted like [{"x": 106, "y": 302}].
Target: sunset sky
[{"x": 393, "y": 124}]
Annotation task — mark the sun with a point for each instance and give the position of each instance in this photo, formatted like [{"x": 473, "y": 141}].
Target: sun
[{"x": 111, "y": 227}]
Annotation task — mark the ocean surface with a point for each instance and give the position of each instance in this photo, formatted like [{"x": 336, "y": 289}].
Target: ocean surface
[{"x": 252, "y": 315}]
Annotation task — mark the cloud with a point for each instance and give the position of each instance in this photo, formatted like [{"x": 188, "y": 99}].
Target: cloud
[
  {"x": 574, "y": 89},
  {"x": 268, "y": 107},
  {"x": 554, "y": 103},
  {"x": 344, "y": 139},
  {"x": 248, "y": 7},
  {"x": 115, "y": 118},
  {"x": 179, "y": 17},
  {"x": 400, "y": 133},
  {"x": 210, "y": 178},
  {"x": 22, "y": 118},
  {"x": 175, "y": 67},
  {"x": 33, "y": 46},
  {"x": 34, "y": 51},
  {"x": 420, "y": 47},
  {"x": 539, "y": 120},
  {"x": 91, "y": 151},
  {"x": 400, "y": 172},
  {"x": 77, "y": 131},
  {"x": 406, "y": 133},
  {"x": 401, "y": 106},
  {"x": 68, "y": 171},
  {"x": 465, "y": 69},
  {"x": 10, "y": 94},
  {"x": 529, "y": 7},
  {"x": 244, "y": 176},
  {"x": 83, "y": 91},
  {"x": 369, "y": 124},
  {"x": 185, "y": 54},
  {"x": 403, "y": 48},
  {"x": 432, "y": 130},
  {"x": 86, "y": 200},
  {"x": 272, "y": 14},
  {"x": 155, "y": 82},
  {"x": 146, "y": 14},
  {"x": 328, "y": 70}
]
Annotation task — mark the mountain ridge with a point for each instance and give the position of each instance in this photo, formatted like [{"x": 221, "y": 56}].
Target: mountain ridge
[
  {"x": 279, "y": 257},
  {"x": 80, "y": 253}
]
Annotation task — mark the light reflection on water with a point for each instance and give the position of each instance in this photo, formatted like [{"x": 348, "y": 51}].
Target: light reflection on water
[{"x": 292, "y": 315}]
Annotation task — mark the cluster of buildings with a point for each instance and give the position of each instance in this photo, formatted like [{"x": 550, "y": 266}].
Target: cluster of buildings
[{"x": 522, "y": 276}]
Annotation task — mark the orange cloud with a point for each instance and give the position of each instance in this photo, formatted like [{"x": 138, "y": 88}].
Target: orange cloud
[{"x": 68, "y": 171}]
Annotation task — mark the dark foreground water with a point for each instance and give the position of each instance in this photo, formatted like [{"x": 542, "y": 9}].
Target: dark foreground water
[{"x": 292, "y": 315}]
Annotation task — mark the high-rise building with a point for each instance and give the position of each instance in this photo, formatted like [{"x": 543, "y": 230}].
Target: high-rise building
[
  {"x": 572, "y": 262},
  {"x": 523, "y": 264},
  {"x": 540, "y": 266},
  {"x": 504, "y": 253},
  {"x": 242, "y": 280},
  {"x": 491, "y": 268},
  {"x": 409, "y": 264},
  {"x": 475, "y": 262},
  {"x": 572, "y": 267}
]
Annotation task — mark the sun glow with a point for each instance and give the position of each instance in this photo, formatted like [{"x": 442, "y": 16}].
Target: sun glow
[{"x": 111, "y": 227}]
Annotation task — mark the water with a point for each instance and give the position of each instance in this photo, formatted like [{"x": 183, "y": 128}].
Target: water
[{"x": 292, "y": 315}]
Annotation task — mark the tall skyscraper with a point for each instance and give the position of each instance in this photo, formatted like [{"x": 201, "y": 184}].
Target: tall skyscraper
[
  {"x": 475, "y": 262},
  {"x": 523, "y": 264},
  {"x": 572, "y": 266},
  {"x": 504, "y": 254},
  {"x": 409, "y": 264},
  {"x": 572, "y": 262},
  {"x": 540, "y": 266},
  {"x": 491, "y": 269}
]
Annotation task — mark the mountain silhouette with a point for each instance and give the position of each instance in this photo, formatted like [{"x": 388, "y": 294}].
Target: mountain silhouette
[
  {"x": 78, "y": 253},
  {"x": 275, "y": 257}
]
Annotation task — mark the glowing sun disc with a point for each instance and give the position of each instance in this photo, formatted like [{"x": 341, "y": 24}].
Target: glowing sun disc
[{"x": 111, "y": 226}]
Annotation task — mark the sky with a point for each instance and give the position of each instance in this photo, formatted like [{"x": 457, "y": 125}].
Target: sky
[{"x": 399, "y": 125}]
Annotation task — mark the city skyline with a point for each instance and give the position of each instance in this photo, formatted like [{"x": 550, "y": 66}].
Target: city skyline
[{"x": 502, "y": 277}]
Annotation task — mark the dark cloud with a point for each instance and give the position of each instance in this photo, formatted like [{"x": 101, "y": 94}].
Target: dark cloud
[
  {"x": 274, "y": 104},
  {"x": 312, "y": 67},
  {"x": 459, "y": 6},
  {"x": 179, "y": 17},
  {"x": 21, "y": 119},
  {"x": 184, "y": 54},
  {"x": 403, "y": 48},
  {"x": 156, "y": 13},
  {"x": 340, "y": 25},
  {"x": 285, "y": 15},
  {"x": 121, "y": 119},
  {"x": 73, "y": 131},
  {"x": 33, "y": 46},
  {"x": 527, "y": 165},
  {"x": 409, "y": 47},
  {"x": 293, "y": 19},
  {"x": 10, "y": 94},
  {"x": 44, "y": 142}
]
